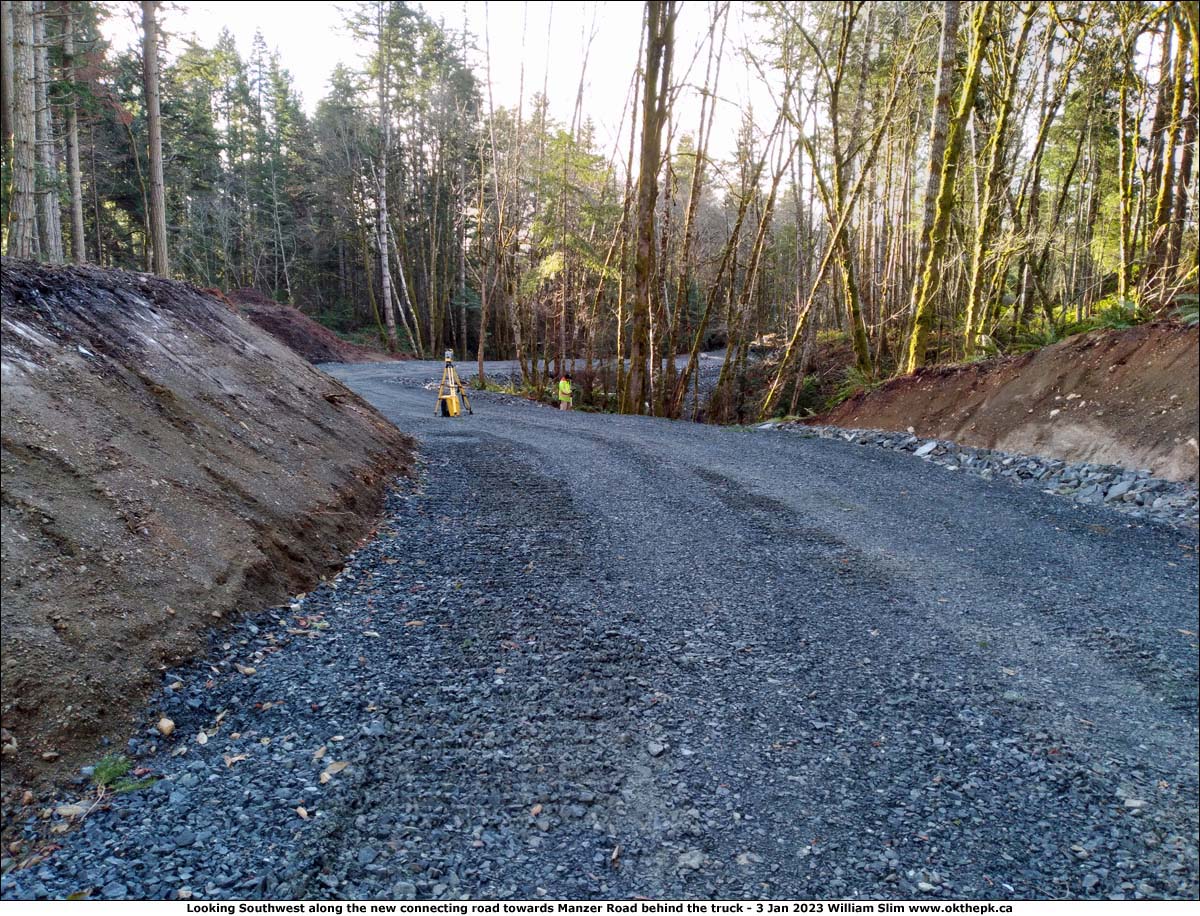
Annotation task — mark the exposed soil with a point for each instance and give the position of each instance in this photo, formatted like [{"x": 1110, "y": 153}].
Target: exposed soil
[
  {"x": 1108, "y": 397},
  {"x": 310, "y": 339},
  {"x": 166, "y": 465}
]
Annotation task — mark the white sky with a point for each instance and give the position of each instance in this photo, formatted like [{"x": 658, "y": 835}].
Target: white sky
[{"x": 311, "y": 41}]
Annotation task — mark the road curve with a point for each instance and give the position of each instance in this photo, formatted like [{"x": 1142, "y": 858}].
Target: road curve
[
  {"x": 590, "y": 656},
  {"x": 856, "y": 674}
]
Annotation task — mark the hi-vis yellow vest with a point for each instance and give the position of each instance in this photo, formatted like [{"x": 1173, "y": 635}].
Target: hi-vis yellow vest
[{"x": 564, "y": 390}]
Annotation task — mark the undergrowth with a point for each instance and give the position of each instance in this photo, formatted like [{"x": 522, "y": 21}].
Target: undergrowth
[
  {"x": 1189, "y": 308},
  {"x": 854, "y": 382},
  {"x": 1111, "y": 314}
]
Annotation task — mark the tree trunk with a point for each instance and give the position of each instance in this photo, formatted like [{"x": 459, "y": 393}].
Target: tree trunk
[
  {"x": 942, "y": 94},
  {"x": 483, "y": 278},
  {"x": 1183, "y": 181},
  {"x": 1127, "y": 138},
  {"x": 381, "y": 179},
  {"x": 994, "y": 182},
  {"x": 78, "y": 239},
  {"x": 660, "y": 40},
  {"x": 7, "y": 52},
  {"x": 158, "y": 206},
  {"x": 939, "y": 231},
  {"x": 1160, "y": 227},
  {"x": 49, "y": 217},
  {"x": 22, "y": 217}
]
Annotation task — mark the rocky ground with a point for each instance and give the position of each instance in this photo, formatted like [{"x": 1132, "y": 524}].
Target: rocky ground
[
  {"x": 1133, "y": 492},
  {"x": 596, "y": 656}
]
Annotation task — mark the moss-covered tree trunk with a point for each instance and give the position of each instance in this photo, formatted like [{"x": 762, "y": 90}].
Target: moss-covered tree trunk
[
  {"x": 939, "y": 232},
  {"x": 994, "y": 182}
]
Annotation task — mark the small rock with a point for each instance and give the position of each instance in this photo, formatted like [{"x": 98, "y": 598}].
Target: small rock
[
  {"x": 925, "y": 449},
  {"x": 655, "y": 748},
  {"x": 692, "y": 859},
  {"x": 166, "y": 727}
]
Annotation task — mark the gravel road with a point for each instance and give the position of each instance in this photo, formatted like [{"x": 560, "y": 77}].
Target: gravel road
[{"x": 597, "y": 656}]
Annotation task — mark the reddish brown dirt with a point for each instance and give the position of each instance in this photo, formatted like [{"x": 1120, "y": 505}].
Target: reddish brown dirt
[
  {"x": 166, "y": 465},
  {"x": 1107, "y": 397},
  {"x": 312, "y": 340}
]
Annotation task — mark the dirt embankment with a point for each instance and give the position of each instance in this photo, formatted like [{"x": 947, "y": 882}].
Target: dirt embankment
[
  {"x": 1108, "y": 397},
  {"x": 310, "y": 339},
  {"x": 166, "y": 465}
]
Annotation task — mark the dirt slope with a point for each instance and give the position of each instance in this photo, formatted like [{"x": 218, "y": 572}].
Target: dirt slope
[
  {"x": 1108, "y": 397},
  {"x": 166, "y": 465},
  {"x": 312, "y": 340}
]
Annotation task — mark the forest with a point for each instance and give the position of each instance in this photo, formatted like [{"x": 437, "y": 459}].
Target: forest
[{"x": 937, "y": 182}]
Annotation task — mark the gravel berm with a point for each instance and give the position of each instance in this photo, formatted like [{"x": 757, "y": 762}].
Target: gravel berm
[{"x": 596, "y": 656}]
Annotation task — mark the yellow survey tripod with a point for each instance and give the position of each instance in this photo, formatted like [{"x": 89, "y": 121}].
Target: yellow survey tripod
[{"x": 452, "y": 394}]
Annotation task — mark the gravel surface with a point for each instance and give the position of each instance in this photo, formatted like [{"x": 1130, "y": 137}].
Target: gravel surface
[
  {"x": 1132, "y": 492},
  {"x": 597, "y": 656}
]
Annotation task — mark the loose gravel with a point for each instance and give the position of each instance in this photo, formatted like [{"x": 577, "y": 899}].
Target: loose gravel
[
  {"x": 590, "y": 656},
  {"x": 1132, "y": 492}
]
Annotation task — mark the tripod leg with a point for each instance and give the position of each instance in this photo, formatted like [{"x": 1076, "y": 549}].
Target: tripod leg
[
  {"x": 462, "y": 390},
  {"x": 439, "y": 408}
]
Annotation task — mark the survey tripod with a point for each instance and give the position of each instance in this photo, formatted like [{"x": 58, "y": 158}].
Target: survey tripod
[{"x": 452, "y": 394}]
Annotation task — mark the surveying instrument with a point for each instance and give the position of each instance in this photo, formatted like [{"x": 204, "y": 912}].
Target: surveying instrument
[{"x": 452, "y": 395}]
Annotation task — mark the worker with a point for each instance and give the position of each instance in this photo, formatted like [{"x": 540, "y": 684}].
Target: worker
[{"x": 564, "y": 392}]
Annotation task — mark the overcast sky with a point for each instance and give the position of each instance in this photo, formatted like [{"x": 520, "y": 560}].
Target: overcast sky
[{"x": 549, "y": 37}]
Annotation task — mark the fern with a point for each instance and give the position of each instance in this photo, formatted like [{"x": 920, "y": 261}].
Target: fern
[
  {"x": 854, "y": 382},
  {"x": 1189, "y": 308}
]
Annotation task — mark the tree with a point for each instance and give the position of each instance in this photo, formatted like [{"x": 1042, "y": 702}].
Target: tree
[
  {"x": 994, "y": 181},
  {"x": 74, "y": 174},
  {"x": 160, "y": 263},
  {"x": 49, "y": 217},
  {"x": 22, "y": 228},
  {"x": 660, "y": 46},
  {"x": 938, "y": 232},
  {"x": 943, "y": 90}
]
